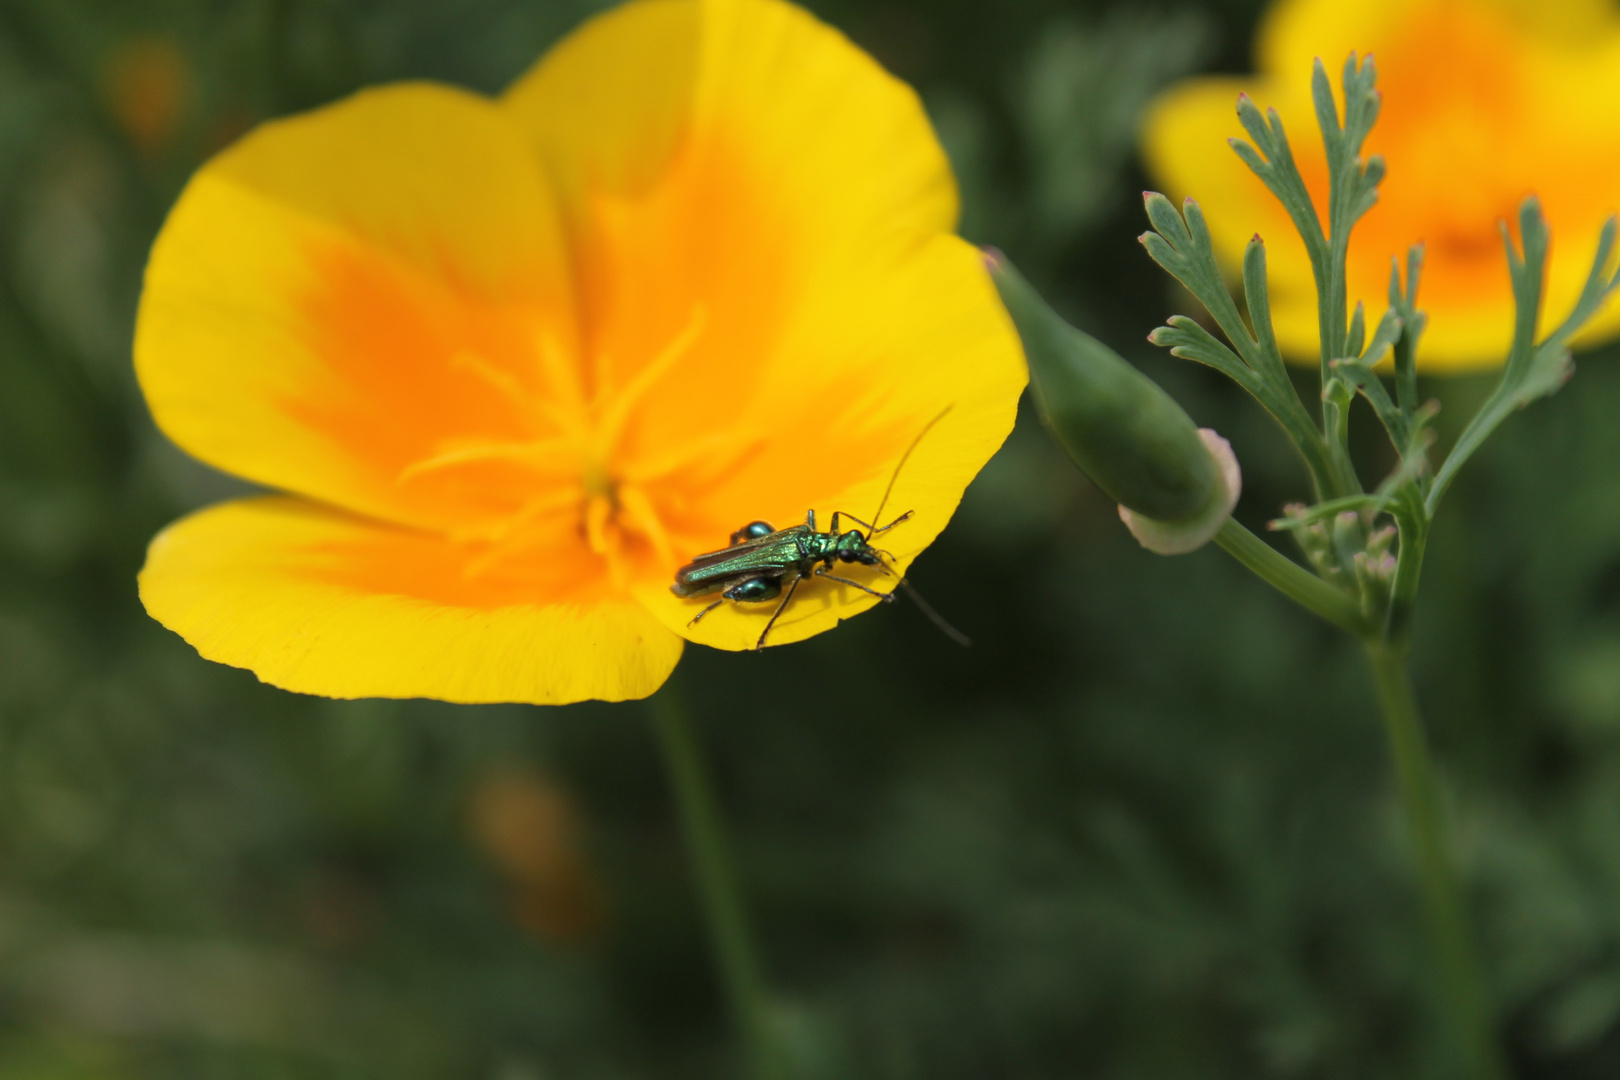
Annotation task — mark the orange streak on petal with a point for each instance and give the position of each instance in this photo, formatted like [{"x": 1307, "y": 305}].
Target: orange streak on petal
[
  {"x": 409, "y": 365},
  {"x": 429, "y": 568},
  {"x": 689, "y": 288}
]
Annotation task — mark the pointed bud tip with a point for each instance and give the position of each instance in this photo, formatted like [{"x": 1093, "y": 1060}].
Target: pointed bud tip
[{"x": 994, "y": 260}]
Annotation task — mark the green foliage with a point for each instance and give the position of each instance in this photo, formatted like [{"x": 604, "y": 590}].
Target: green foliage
[{"x": 1357, "y": 556}]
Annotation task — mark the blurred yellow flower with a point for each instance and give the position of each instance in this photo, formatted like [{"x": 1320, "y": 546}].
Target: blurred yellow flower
[
  {"x": 1483, "y": 103},
  {"x": 514, "y": 361}
]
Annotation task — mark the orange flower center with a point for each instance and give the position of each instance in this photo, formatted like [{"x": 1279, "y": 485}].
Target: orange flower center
[{"x": 580, "y": 465}]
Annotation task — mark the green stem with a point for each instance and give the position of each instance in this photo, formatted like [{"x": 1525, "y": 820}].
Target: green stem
[
  {"x": 1464, "y": 983},
  {"x": 1292, "y": 580},
  {"x": 1414, "y": 533},
  {"x": 741, "y": 974}
]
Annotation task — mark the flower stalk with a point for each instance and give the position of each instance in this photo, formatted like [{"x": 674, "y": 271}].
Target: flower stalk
[
  {"x": 1289, "y": 578},
  {"x": 741, "y": 974},
  {"x": 1460, "y": 972}
]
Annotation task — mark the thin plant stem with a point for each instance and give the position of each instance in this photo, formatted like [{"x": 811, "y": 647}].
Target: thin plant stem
[
  {"x": 1292, "y": 580},
  {"x": 1464, "y": 984},
  {"x": 736, "y": 956}
]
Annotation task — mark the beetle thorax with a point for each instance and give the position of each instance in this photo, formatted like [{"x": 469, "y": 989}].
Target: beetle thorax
[{"x": 851, "y": 547}]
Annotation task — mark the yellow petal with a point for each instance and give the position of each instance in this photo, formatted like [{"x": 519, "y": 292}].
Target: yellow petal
[
  {"x": 319, "y": 602},
  {"x": 351, "y": 292},
  {"x": 616, "y": 104},
  {"x": 609, "y": 105},
  {"x": 769, "y": 183}
]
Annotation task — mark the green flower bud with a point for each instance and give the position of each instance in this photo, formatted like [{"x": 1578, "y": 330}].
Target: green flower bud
[{"x": 1175, "y": 486}]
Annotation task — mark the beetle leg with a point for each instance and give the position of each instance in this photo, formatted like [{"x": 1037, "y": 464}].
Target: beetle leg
[
  {"x": 858, "y": 585},
  {"x": 705, "y": 611},
  {"x": 885, "y": 528},
  {"x": 871, "y": 530},
  {"x": 775, "y": 614}
]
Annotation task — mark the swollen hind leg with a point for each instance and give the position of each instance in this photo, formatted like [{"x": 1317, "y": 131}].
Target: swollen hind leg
[{"x": 752, "y": 591}]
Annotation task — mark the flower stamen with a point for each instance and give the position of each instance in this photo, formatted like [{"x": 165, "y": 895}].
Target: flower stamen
[
  {"x": 534, "y": 407},
  {"x": 562, "y": 378},
  {"x": 642, "y": 516},
  {"x": 721, "y": 451},
  {"x": 598, "y": 512},
  {"x": 619, "y": 408},
  {"x": 506, "y": 535},
  {"x": 537, "y": 455}
]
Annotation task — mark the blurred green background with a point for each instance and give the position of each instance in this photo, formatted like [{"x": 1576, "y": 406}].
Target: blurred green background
[{"x": 1145, "y": 828}]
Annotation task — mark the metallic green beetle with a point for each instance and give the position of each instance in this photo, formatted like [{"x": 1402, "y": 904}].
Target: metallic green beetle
[{"x": 763, "y": 561}]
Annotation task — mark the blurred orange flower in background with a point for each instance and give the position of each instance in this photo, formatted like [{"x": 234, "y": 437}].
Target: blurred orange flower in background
[
  {"x": 147, "y": 82},
  {"x": 516, "y": 360},
  {"x": 528, "y": 828},
  {"x": 1484, "y": 102}
]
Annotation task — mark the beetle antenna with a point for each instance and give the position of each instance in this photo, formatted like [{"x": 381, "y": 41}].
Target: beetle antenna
[
  {"x": 877, "y": 517},
  {"x": 933, "y": 616}
]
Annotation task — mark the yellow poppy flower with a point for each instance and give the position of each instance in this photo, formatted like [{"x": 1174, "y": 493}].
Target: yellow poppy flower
[
  {"x": 1483, "y": 103},
  {"x": 514, "y": 361}
]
